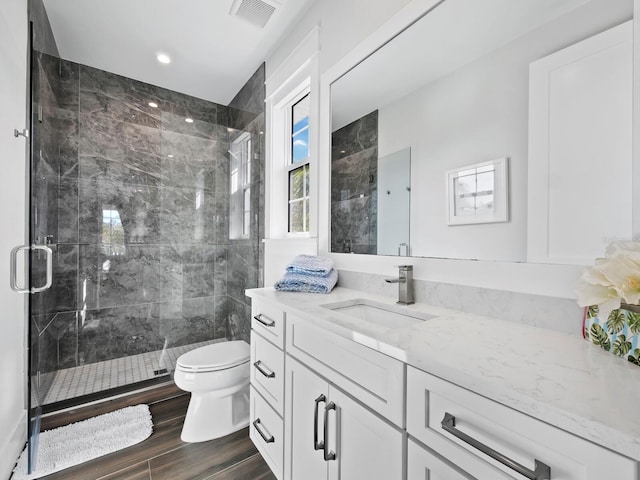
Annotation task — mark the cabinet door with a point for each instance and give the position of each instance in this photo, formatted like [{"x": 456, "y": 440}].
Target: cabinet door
[
  {"x": 366, "y": 446},
  {"x": 303, "y": 388},
  {"x": 425, "y": 465}
]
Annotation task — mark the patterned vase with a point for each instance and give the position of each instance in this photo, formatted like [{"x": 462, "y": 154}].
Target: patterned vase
[{"x": 618, "y": 334}]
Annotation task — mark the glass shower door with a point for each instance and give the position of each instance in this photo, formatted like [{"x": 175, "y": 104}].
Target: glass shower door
[{"x": 43, "y": 202}]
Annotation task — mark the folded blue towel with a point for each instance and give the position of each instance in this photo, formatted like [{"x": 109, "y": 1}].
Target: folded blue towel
[
  {"x": 297, "y": 282},
  {"x": 310, "y": 265}
]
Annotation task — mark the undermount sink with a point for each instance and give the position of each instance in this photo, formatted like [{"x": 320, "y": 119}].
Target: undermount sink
[{"x": 387, "y": 316}]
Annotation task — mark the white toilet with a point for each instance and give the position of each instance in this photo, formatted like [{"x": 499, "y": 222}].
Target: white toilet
[{"x": 217, "y": 376}]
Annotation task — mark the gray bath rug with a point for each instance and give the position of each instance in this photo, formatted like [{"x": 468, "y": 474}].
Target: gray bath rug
[{"x": 79, "y": 442}]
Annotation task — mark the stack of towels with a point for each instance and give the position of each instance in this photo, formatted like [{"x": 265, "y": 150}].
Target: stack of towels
[{"x": 308, "y": 273}]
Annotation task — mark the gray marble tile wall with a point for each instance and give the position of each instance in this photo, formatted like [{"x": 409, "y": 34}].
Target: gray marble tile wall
[
  {"x": 138, "y": 206},
  {"x": 246, "y": 256},
  {"x": 354, "y": 196},
  {"x": 559, "y": 314}
]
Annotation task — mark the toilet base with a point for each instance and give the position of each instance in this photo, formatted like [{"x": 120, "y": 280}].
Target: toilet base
[{"x": 210, "y": 416}]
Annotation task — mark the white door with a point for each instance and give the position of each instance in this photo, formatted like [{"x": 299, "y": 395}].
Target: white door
[
  {"x": 304, "y": 406},
  {"x": 580, "y": 158},
  {"x": 366, "y": 447},
  {"x": 13, "y": 90}
]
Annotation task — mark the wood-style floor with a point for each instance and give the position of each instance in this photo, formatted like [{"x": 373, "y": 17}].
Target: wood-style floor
[{"x": 163, "y": 455}]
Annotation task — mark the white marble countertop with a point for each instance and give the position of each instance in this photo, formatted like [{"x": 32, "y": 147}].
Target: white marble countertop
[{"x": 557, "y": 378}]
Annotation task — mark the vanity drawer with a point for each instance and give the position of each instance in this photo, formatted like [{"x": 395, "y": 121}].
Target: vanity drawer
[
  {"x": 267, "y": 371},
  {"x": 519, "y": 437},
  {"x": 424, "y": 464},
  {"x": 373, "y": 378},
  {"x": 266, "y": 431},
  {"x": 268, "y": 319}
]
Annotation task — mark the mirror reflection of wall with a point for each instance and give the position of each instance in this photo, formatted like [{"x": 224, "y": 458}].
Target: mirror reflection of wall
[{"x": 463, "y": 98}]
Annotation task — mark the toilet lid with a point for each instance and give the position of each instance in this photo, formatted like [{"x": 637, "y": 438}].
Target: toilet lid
[{"x": 216, "y": 356}]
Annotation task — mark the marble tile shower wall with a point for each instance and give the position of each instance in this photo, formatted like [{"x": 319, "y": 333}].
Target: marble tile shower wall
[
  {"x": 143, "y": 251},
  {"x": 354, "y": 191},
  {"x": 246, "y": 255}
]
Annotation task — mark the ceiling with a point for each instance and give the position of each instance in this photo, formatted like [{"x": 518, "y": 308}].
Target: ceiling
[{"x": 213, "y": 53}]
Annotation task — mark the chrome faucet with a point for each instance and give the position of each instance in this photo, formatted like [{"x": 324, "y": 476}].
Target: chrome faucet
[{"x": 405, "y": 284}]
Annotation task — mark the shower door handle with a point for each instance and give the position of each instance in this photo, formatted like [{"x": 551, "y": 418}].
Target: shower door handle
[{"x": 14, "y": 267}]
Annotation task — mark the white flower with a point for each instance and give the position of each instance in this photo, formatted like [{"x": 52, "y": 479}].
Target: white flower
[{"x": 613, "y": 279}]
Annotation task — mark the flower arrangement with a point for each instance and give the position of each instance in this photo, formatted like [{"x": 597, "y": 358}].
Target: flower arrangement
[{"x": 613, "y": 280}]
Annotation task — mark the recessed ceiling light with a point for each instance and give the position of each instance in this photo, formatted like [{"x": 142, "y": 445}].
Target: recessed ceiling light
[
  {"x": 188, "y": 120},
  {"x": 153, "y": 104},
  {"x": 170, "y": 156},
  {"x": 163, "y": 58}
]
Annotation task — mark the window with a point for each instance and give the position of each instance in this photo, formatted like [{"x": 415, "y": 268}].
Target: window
[
  {"x": 112, "y": 232},
  {"x": 240, "y": 177},
  {"x": 298, "y": 169}
]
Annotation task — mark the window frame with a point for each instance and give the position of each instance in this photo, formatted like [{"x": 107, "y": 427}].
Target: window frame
[{"x": 279, "y": 157}]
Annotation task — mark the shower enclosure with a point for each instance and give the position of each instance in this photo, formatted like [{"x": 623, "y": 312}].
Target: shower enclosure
[{"x": 151, "y": 203}]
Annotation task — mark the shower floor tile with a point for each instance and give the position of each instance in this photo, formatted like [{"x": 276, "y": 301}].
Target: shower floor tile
[{"x": 95, "y": 377}]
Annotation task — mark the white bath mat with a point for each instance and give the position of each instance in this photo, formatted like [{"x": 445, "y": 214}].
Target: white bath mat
[{"x": 79, "y": 442}]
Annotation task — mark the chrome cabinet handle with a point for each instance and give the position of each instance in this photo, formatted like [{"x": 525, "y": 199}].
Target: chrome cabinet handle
[
  {"x": 267, "y": 323},
  {"x": 264, "y": 371},
  {"x": 328, "y": 454},
  {"x": 316, "y": 444},
  {"x": 13, "y": 269},
  {"x": 266, "y": 436},
  {"x": 541, "y": 471}
]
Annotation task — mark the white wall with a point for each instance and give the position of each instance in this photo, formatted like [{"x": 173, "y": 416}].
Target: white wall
[
  {"x": 345, "y": 41},
  {"x": 13, "y": 81},
  {"x": 324, "y": 34},
  {"x": 476, "y": 114}
]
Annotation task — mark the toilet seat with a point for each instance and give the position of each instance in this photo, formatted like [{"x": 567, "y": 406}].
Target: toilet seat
[{"x": 214, "y": 357}]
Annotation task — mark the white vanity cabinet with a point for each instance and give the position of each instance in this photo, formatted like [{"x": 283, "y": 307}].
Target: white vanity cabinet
[
  {"x": 330, "y": 436},
  {"x": 327, "y": 404},
  {"x": 473, "y": 432},
  {"x": 267, "y": 383}
]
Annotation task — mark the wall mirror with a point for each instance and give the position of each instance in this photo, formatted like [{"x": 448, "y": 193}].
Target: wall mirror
[{"x": 544, "y": 84}]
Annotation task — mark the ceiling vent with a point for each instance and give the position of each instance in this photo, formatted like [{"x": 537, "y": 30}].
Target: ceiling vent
[{"x": 257, "y": 12}]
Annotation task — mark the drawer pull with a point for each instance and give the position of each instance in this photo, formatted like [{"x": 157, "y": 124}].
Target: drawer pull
[
  {"x": 316, "y": 444},
  {"x": 264, "y": 371},
  {"x": 541, "y": 472},
  {"x": 266, "y": 436},
  {"x": 328, "y": 455},
  {"x": 267, "y": 322}
]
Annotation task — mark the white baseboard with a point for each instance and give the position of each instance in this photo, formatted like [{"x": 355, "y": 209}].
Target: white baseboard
[{"x": 12, "y": 446}]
